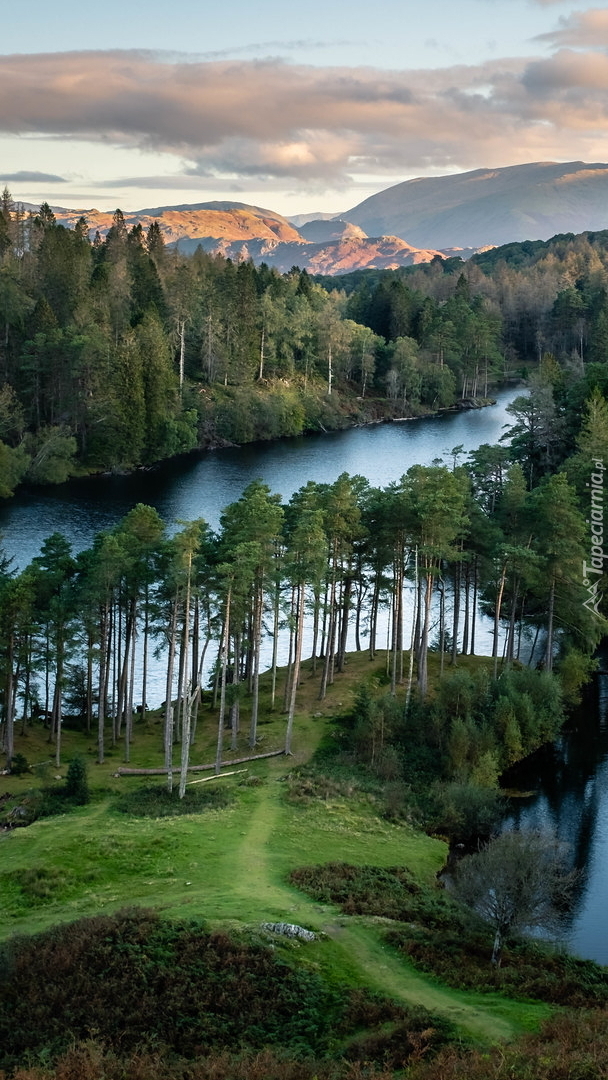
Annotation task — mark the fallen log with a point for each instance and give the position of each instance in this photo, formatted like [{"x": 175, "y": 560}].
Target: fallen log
[
  {"x": 220, "y": 776},
  {"x": 197, "y": 768}
]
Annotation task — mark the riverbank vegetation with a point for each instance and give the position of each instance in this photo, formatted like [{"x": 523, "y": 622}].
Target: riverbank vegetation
[{"x": 119, "y": 353}]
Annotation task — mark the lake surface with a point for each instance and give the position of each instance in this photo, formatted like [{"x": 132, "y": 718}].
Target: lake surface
[{"x": 201, "y": 485}]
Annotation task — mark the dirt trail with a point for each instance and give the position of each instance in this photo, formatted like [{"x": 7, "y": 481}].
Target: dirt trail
[
  {"x": 380, "y": 969},
  {"x": 386, "y": 972}
]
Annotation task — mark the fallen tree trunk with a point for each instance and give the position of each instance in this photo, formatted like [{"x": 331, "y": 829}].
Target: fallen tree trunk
[
  {"x": 219, "y": 776},
  {"x": 197, "y": 768}
]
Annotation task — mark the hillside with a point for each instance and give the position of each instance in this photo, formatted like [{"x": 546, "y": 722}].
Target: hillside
[
  {"x": 490, "y": 206},
  {"x": 409, "y": 223},
  {"x": 241, "y": 232},
  {"x": 201, "y": 222},
  {"x": 332, "y": 257}
]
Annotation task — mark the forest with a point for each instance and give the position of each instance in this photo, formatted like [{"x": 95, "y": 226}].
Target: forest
[{"x": 116, "y": 353}]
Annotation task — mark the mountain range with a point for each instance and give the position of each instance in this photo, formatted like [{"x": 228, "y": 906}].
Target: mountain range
[{"x": 412, "y": 222}]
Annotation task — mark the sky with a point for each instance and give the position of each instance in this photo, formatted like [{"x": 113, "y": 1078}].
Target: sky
[{"x": 301, "y": 108}]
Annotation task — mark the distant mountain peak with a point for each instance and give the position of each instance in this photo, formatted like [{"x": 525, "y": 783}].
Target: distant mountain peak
[{"x": 490, "y": 205}]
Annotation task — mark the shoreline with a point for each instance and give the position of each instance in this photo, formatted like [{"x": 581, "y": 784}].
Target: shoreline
[{"x": 463, "y": 405}]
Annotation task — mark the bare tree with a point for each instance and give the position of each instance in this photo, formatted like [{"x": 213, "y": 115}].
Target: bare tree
[{"x": 519, "y": 881}]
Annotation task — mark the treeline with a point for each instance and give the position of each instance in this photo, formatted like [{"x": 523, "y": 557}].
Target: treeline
[
  {"x": 529, "y": 298},
  {"x": 119, "y": 352},
  {"x": 427, "y": 554}
]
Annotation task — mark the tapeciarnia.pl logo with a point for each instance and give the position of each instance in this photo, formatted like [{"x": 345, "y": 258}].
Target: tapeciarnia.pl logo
[{"x": 593, "y": 571}]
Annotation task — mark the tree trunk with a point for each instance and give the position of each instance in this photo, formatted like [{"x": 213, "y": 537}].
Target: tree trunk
[
  {"x": 467, "y": 609},
  {"x": 423, "y": 678},
  {"x": 410, "y": 677},
  {"x": 497, "y": 948},
  {"x": 329, "y": 647},
  {"x": 103, "y": 682},
  {"x": 441, "y": 587},
  {"x": 346, "y": 601},
  {"x": 187, "y": 699},
  {"x": 144, "y": 676},
  {"x": 168, "y": 702},
  {"x": 474, "y": 618},
  {"x": 257, "y": 639},
  {"x": 9, "y": 718},
  {"x": 550, "y": 615},
  {"x": 456, "y": 621},
  {"x": 224, "y": 666},
  {"x": 296, "y": 667},
  {"x": 129, "y": 718},
  {"x": 275, "y": 644},
  {"x": 497, "y": 608}
]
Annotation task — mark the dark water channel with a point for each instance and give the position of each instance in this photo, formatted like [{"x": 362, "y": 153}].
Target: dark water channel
[
  {"x": 570, "y": 781},
  {"x": 569, "y": 785}
]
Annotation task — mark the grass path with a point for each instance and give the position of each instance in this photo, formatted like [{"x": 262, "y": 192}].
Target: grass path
[{"x": 355, "y": 944}]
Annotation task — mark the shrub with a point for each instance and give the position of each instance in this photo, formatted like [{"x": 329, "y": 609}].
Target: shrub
[
  {"x": 464, "y": 812},
  {"x": 139, "y": 981},
  {"x": 460, "y": 957},
  {"x": 76, "y": 783},
  {"x": 19, "y": 765},
  {"x": 390, "y": 892},
  {"x": 156, "y": 802}
]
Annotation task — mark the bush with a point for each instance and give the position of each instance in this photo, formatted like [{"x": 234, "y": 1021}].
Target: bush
[
  {"x": 138, "y": 982},
  {"x": 19, "y": 765},
  {"x": 460, "y": 957},
  {"x": 464, "y": 812},
  {"x": 156, "y": 802},
  {"x": 390, "y": 892},
  {"x": 22, "y": 810},
  {"x": 76, "y": 783}
]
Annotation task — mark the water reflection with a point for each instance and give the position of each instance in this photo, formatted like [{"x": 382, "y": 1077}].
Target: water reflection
[{"x": 570, "y": 785}]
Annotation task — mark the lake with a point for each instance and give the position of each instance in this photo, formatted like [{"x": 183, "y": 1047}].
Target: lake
[{"x": 202, "y": 484}]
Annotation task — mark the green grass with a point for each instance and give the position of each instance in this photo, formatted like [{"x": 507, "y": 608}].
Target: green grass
[{"x": 230, "y": 865}]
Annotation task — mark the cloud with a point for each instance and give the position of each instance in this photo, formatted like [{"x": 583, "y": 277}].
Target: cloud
[
  {"x": 267, "y": 119},
  {"x": 277, "y": 47},
  {"x": 582, "y": 29},
  {"x": 32, "y": 177}
]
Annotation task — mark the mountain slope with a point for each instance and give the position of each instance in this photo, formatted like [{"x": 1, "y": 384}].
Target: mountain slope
[
  {"x": 219, "y": 220},
  {"x": 333, "y": 257},
  {"x": 490, "y": 206},
  {"x": 240, "y": 231}
]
